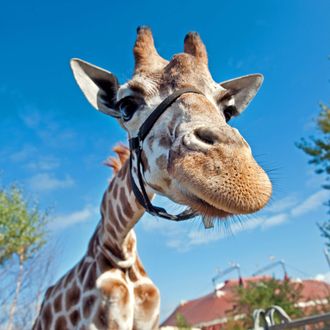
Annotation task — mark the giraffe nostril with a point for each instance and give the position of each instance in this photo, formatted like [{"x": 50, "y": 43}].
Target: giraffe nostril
[{"x": 206, "y": 135}]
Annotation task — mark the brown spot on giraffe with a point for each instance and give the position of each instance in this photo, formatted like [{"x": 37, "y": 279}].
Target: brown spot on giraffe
[
  {"x": 140, "y": 267},
  {"x": 115, "y": 191},
  {"x": 161, "y": 162},
  {"x": 129, "y": 188},
  {"x": 147, "y": 297},
  {"x": 120, "y": 217},
  {"x": 90, "y": 280},
  {"x": 104, "y": 264},
  {"x": 75, "y": 317},
  {"x": 127, "y": 209},
  {"x": 88, "y": 303},
  {"x": 145, "y": 163},
  {"x": 132, "y": 274},
  {"x": 69, "y": 277},
  {"x": 58, "y": 303},
  {"x": 165, "y": 141},
  {"x": 112, "y": 217},
  {"x": 72, "y": 296},
  {"x": 61, "y": 324},
  {"x": 116, "y": 290},
  {"x": 122, "y": 196},
  {"x": 150, "y": 141},
  {"x": 121, "y": 173},
  {"x": 101, "y": 318},
  {"x": 167, "y": 182},
  {"x": 47, "y": 316},
  {"x": 115, "y": 223}
]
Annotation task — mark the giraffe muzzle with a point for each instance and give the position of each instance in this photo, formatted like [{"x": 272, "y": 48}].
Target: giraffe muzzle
[
  {"x": 205, "y": 137},
  {"x": 201, "y": 139},
  {"x": 225, "y": 177}
]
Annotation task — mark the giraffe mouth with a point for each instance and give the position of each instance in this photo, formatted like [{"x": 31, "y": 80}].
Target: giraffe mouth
[{"x": 204, "y": 208}]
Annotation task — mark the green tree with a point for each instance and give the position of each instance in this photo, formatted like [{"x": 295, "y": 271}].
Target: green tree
[
  {"x": 263, "y": 294},
  {"x": 181, "y": 322},
  {"x": 318, "y": 148},
  {"x": 22, "y": 235}
]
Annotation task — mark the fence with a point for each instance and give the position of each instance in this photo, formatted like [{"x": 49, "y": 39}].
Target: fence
[{"x": 265, "y": 320}]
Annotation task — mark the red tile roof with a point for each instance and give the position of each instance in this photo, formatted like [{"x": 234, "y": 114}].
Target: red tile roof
[{"x": 217, "y": 304}]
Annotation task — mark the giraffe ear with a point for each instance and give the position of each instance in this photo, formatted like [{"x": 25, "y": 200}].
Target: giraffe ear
[
  {"x": 98, "y": 85},
  {"x": 243, "y": 89}
]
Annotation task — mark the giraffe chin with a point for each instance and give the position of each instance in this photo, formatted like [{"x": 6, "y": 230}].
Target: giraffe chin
[{"x": 203, "y": 208}]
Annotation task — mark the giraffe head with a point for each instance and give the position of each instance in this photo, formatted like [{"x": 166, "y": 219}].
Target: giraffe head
[{"x": 191, "y": 155}]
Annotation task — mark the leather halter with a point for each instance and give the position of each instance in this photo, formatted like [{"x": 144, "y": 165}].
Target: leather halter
[{"x": 136, "y": 147}]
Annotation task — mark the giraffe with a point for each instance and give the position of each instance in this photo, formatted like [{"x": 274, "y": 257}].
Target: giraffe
[
  {"x": 191, "y": 155},
  {"x": 98, "y": 293}
]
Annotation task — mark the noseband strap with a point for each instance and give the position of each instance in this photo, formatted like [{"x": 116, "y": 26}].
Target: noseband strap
[{"x": 136, "y": 147}]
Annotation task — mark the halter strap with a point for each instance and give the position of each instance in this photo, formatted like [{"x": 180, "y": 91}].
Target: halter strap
[{"x": 136, "y": 147}]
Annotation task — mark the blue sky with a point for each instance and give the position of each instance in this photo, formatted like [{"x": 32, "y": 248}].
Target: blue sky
[{"x": 54, "y": 143}]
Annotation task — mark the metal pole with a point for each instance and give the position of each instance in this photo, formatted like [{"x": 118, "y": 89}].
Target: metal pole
[{"x": 301, "y": 322}]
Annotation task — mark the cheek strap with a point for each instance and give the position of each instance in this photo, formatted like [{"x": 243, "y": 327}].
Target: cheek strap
[{"x": 136, "y": 148}]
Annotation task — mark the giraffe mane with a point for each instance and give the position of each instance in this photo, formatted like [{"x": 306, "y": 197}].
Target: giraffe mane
[{"x": 122, "y": 155}]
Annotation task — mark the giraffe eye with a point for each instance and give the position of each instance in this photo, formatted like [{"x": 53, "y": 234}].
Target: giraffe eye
[
  {"x": 128, "y": 106},
  {"x": 229, "y": 112}
]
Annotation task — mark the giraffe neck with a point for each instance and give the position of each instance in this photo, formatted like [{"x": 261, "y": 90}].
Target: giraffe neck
[
  {"x": 109, "y": 272},
  {"x": 120, "y": 211}
]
